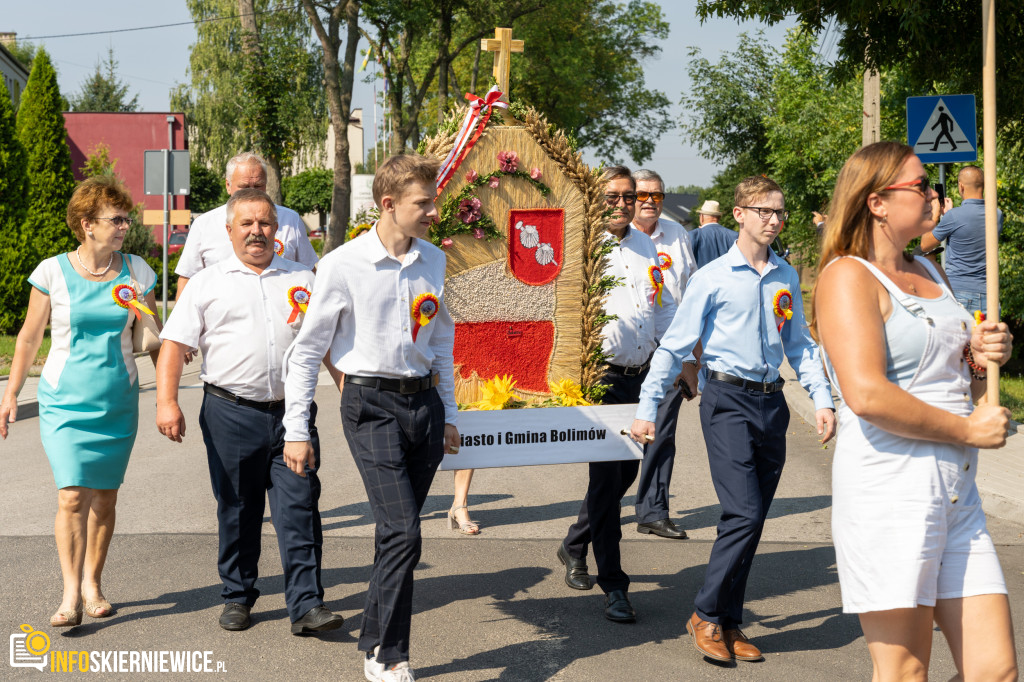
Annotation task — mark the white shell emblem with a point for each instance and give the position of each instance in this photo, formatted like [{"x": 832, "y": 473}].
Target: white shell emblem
[
  {"x": 545, "y": 254},
  {"x": 528, "y": 235}
]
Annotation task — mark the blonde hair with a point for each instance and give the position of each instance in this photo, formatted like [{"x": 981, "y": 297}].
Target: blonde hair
[
  {"x": 91, "y": 196},
  {"x": 754, "y": 187},
  {"x": 397, "y": 172},
  {"x": 848, "y": 227}
]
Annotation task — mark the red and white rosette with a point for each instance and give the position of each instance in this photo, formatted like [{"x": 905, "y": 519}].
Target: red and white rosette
[
  {"x": 664, "y": 260},
  {"x": 472, "y": 128},
  {"x": 126, "y": 297},
  {"x": 424, "y": 309},
  {"x": 783, "y": 305},
  {"x": 657, "y": 278},
  {"x": 298, "y": 300},
  {"x": 278, "y": 246}
]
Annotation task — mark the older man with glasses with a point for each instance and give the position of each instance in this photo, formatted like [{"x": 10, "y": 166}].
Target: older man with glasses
[
  {"x": 677, "y": 264},
  {"x": 642, "y": 310}
]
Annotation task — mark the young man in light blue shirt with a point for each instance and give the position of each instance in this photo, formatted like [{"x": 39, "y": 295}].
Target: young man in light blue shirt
[{"x": 746, "y": 310}]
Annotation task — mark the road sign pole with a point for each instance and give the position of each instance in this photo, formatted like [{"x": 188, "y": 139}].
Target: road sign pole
[
  {"x": 988, "y": 71},
  {"x": 167, "y": 219}
]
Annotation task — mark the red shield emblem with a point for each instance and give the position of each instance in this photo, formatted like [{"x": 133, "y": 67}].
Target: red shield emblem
[{"x": 535, "y": 240}]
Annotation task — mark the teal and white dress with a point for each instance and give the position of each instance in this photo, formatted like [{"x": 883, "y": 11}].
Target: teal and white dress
[{"x": 89, "y": 389}]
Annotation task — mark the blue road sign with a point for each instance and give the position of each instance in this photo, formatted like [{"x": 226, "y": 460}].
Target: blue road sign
[{"x": 942, "y": 128}]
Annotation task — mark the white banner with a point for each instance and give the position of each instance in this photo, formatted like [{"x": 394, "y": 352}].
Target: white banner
[{"x": 549, "y": 435}]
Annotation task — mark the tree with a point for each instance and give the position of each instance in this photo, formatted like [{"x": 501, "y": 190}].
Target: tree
[
  {"x": 339, "y": 78},
  {"x": 104, "y": 91},
  {"x": 258, "y": 88},
  {"x": 207, "y": 191},
  {"x": 906, "y": 34},
  {"x": 13, "y": 210},
  {"x": 24, "y": 52},
  {"x": 48, "y": 161},
  {"x": 309, "y": 191}
]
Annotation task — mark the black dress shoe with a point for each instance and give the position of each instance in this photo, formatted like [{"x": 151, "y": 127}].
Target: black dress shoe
[
  {"x": 235, "y": 616},
  {"x": 317, "y": 619},
  {"x": 576, "y": 575},
  {"x": 617, "y": 607},
  {"x": 662, "y": 528}
]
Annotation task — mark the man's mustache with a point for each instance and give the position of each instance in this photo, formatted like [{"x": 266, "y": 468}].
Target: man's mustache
[{"x": 255, "y": 239}]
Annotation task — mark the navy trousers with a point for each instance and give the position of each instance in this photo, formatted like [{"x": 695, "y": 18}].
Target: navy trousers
[
  {"x": 599, "y": 518},
  {"x": 244, "y": 448},
  {"x": 397, "y": 442},
  {"x": 745, "y": 433},
  {"x": 659, "y": 458}
]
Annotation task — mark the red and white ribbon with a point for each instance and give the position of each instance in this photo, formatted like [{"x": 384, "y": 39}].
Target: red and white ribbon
[{"x": 472, "y": 128}]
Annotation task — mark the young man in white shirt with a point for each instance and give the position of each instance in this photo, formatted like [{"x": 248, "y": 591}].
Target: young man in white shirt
[
  {"x": 378, "y": 308},
  {"x": 642, "y": 311},
  {"x": 243, "y": 312}
]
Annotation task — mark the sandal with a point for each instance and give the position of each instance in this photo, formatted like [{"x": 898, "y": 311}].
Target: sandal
[
  {"x": 467, "y": 528},
  {"x": 67, "y": 619},
  {"x": 100, "y": 608}
]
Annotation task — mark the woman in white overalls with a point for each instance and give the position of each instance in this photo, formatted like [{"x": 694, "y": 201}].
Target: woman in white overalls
[{"x": 911, "y": 543}]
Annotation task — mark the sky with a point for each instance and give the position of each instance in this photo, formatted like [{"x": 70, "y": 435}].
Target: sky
[{"x": 152, "y": 61}]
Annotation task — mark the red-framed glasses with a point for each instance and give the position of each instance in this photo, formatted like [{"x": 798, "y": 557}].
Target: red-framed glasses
[{"x": 920, "y": 184}]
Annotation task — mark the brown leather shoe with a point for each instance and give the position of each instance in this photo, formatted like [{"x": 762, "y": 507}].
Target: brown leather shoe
[
  {"x": 740, "y": 646},
  {"x": 707, "y": 637}
]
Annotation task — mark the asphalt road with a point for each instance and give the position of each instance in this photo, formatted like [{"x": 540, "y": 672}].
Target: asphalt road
[{"x": 492, "y": 607}]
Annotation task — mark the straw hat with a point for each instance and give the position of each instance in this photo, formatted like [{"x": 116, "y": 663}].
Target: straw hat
[{"x": 710, "y": 208}]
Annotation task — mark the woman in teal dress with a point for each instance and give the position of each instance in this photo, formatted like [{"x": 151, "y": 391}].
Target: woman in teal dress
[{"x": 89, "y": 389}]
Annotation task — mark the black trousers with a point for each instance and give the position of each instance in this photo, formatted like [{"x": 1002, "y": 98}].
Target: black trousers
[
  {"x": 745, "y": 433},
  {"x": 244, "y": 448},
  {"x": 397, "y": 442},
  {"x": 599, "y": 521},
  {"x": 659, "y": 458}
]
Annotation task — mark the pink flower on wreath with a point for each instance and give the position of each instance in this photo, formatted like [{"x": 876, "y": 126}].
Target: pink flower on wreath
[
  {"x": 493, "y": 182},
  {"x": 469, "y": 210},
  {"x": 478, "y": 232},
  {"x": 535, "y": 173},
  {"x": 508, "y": 162},
  {"x": 472, "y": 176},
  {"x": 446, "y": 242}
]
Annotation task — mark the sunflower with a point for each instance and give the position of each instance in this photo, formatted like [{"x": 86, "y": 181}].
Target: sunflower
[
  {"x": 497, "y": 393},
  {"x": 568, "y": 393}
]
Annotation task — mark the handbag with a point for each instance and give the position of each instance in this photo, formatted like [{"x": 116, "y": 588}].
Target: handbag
[{"x": 145, "y": 334}]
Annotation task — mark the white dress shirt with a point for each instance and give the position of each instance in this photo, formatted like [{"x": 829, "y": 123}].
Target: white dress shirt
[
  {"x": 672, "y": 238},
  {"x": 208, "y": 241},
  {"x": 239, "y": 319},
  {"x": 632, "y": 337},
  {"x": 362, "y": 312}
]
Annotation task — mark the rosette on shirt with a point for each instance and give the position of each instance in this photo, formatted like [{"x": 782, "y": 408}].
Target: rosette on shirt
[
  {"x": 126, "y": 297},
  {"x": 298, "y": 300},
  {"x": 424, "y": 309},
  {"x": 278, "y": 247},
  {"x": 664, "y": 260},
  {"x": 783, "y": 305},
  {"x": 657, "y": 278}
]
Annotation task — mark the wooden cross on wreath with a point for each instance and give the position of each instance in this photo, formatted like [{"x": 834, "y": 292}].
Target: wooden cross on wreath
[{"x": 504, "y": 46}]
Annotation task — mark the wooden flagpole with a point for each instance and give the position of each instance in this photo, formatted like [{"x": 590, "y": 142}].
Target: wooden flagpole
[{"x": 988, "y": 32}]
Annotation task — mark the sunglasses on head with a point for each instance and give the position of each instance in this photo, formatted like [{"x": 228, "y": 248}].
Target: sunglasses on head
[{"x": 656, "y": 197}]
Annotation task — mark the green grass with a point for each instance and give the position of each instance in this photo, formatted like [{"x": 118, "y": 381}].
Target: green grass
[
  {"x": 1011, "y": 395},
  {"x": 7, "y": 354}
]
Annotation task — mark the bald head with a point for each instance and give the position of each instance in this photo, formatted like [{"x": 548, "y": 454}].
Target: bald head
[{"x": 971, "y": 181}]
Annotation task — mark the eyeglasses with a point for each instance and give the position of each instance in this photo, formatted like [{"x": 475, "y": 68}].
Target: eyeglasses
[
  {"x": 656, "y": 197},
  {"x": 920, "y": 184},
  {"x": 765, "y": 213},
  {"x": 613, "y": 199},
  {"x": 119, "y": 221}
]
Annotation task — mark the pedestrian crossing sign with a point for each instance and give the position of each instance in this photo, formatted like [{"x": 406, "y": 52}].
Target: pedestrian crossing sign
[{"x": 942, "y": 128}]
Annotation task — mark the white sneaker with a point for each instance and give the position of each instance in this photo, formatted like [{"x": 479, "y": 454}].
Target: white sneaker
[
  {"x": 373, "y": 670},
  {"x": 400, "y": 672}
]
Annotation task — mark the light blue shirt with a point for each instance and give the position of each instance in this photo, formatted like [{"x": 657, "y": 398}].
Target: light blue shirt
[{"x": 730, "y": 308}]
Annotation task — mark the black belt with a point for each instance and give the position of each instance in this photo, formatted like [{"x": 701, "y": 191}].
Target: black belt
[
  {"x": 403, "y": 386},
  {"x": 760, "y": 386},
  {"x": 245, "y": 402},
  {"x": 629, "y": 371}
]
